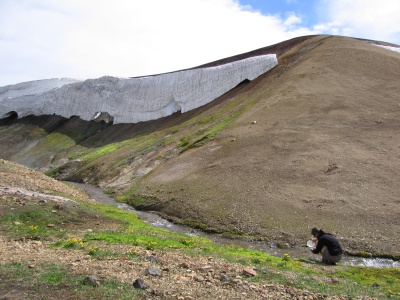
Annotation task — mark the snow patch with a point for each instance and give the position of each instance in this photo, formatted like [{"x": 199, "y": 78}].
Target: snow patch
[
  {"x": 395, "y": 49},
  {"x": 132, "y": 100}
]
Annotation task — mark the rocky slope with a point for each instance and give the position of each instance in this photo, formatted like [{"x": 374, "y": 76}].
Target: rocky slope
[{"x": 161, "y": 274}]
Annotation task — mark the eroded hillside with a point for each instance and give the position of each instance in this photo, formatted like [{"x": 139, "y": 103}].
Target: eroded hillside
[{"x": 314, "y": 142}]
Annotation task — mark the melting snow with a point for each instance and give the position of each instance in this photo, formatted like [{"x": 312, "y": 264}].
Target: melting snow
[
  {"x": 395, "y": 49},
  {"x": 131, "y": 100}
]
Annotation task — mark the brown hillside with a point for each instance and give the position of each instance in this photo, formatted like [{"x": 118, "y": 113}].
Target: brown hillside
[
  {"x": 314, "y": 142},
  {"x": 324, "y": 150}
]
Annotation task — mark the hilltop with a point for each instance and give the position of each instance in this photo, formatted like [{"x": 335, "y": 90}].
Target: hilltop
[{"x": 313, "y": 142}]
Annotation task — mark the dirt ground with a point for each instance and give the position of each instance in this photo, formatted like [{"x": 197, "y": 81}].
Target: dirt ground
[{"x": 182, "y": 277}]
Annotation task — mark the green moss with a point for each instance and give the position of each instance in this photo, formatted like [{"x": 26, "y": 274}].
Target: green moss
[
  {"x": 387, "y": 279},
  {"x": 103, "y": 151},
  {"x": 364, "y": 254}
]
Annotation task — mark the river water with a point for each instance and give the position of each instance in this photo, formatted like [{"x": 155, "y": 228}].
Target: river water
[{"x": 270, "y": 248}]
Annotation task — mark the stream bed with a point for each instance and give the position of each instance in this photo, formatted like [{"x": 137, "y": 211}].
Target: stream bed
[{"x": 270, "y": 248}]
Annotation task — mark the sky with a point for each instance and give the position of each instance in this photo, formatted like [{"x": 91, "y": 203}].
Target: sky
[{"x": 81, "y": 39}]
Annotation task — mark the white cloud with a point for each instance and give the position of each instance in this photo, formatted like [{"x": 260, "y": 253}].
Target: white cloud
[
  {"x": 370, "y": 19},
  {"x": 292, "y": 20},
  {"x": 82, "y": 39}
]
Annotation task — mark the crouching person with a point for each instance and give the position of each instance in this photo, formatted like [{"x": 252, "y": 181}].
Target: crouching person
[{"x": 328, "y": 246}]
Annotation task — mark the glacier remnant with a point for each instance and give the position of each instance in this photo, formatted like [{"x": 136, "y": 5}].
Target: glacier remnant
[{"x": 130, "y": 100}]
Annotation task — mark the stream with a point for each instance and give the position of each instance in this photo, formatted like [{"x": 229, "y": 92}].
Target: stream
[{"x": 269, "y": 248}]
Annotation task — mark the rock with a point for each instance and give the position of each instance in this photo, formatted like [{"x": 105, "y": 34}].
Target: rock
[
  {"x": 50, "y": 225},
  {"x": 375, "y": 285},
  {"x": 58, "y": 206},
  {"x": 335, "y": 280},
  {"x": 249, "y": 272},
  {"x": 205, "y": 268},
  {"x": 93, "y": 280},
  {"x": 283, "y": 245},
  {"x": 153, "y": 271},
  {"x": 156, "y": 292},
  {"x": 140, "y": 284},
  {"x": 152, "y": 259},
  {"x": 224, "y": 277},
  {"x": 199, "y": 278},
  {"x": 184, "y": 265}
]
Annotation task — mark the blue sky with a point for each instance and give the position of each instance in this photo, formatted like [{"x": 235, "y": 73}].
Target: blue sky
[
  {"x": 82, "y": 39},
  {"x": 307, "y": 10}
]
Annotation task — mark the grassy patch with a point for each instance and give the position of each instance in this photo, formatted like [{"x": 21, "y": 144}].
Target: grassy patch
[
  {"x": 32, "y": 221},
  {"x": 48, "y": 278},
  {"x": 387, "y": 279},
  {"x": 50, "y": 281}
]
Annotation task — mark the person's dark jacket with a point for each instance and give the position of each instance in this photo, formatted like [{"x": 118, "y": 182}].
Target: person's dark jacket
[{"x": 331, "y": 244}]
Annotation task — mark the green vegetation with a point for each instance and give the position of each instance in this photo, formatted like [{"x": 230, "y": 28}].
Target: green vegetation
[
  {"x": 31, "y": 221},
  {"x": 108, "y": 160},
  {"x": 51, "y": 281},
  {"x": 55, "y": 142}
]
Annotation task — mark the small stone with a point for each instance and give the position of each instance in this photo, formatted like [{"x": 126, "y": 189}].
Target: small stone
[
  {"x": 152, "y": 259},
  {"x": 199, "y": 278},
  {"x": 254, "y": 122},
  {"x": 224, "y": 277},
  {"x": 249, "y": 272},
  {"x": 50, "y": 225},
  {"x": 153, "y": 271},
  {"x": 252, "y": 287},
  {"x": 156, "y": 292},
  {"x": 283, "y": 245},
  {"x": 205, "y": 268},
  {"x": 93, "y": 280},
  {"x": 184, "y": 265},
  {"x": 31, "y": 266},
  {"x": 140, "y": 284},
  {"x": 17, "y": 223},
  {"x": 335, "y": 280}
]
